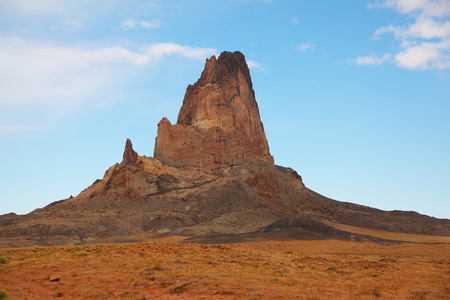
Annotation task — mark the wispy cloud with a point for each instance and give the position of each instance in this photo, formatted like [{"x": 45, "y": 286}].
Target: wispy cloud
[
  {"x": 33, "y": 5},
  {"x": 385, "y": 29},
  {"x": 8, "y": 128},
  {"x": 253, "y": 64},
  {"x": 266, "y": 1},
  {"x": 425, "y": 42},
  {"x": 437, "y": 8},
  {"x": 372, "y": 59},
  {"x": 156, "y": 52},
  {"x": 61, "y": 78},
  {"x": 55, "y": 76},
  {"x": 306, "y": 46},
  {"x": 71, "y": 25},
  {"x": 132, "y": 23}
]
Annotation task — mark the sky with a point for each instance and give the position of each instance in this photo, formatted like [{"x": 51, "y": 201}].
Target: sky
[{"x": 354, "y": 95}]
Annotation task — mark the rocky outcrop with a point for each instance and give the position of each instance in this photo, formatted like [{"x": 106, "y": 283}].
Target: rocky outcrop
[
  {"x": 219, "y": 123},
  {"x": 133, "y": 177},
  {"x": 129, "y": 155}
]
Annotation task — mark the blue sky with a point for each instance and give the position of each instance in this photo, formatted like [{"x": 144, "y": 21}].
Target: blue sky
[{"x": 354, "y": 95}]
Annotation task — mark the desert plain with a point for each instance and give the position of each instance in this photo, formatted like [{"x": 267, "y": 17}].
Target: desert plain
[{"x": 171, "y": 268}]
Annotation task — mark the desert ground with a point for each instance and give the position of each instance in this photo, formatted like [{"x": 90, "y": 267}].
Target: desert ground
[{"x": 169, "y": 268}]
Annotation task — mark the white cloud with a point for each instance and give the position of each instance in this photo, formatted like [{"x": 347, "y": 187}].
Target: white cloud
[
  {"x": 431, "y": 8},
  {"x": 156, "y": 52},
  {"x": 114, "y": 55},
  {"x": 383, "y": 30},
  {"x": 372, "y": 59},
  {"x": 33, "y": 5},
  {"x": 306, "y": 46},
  {"x": 425, "y": 42},
  {"x": 424, "y": 56},
  {"x": 132, "y": 23},
  {"x": 69, "y": 25},
  {"x": 155, "y": 23},
  {"x": 417, "y": 57},
  {"x": 55, "y": 76},
  {"x": 8, "y": 128},
  {"x": 266, "y": 1},
  {"x": 428, "y": 28},
  {"x": 59, "y": 79},
  {"x": 253, "y": 64}
]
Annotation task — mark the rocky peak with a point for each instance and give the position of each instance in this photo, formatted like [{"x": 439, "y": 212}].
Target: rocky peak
[
  {"x": 225, "y": 84},
  {"x": 129, "y": 155},
  {"x": 218, "y": 123}
]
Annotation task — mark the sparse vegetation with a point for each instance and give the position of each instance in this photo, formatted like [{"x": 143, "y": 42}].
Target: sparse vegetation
[
  {"x": 24, "y": 256},
  {"x": 377, "y": 291},
  {"x": 419, "y": 295},
  {"x": 4, "y": 294},
  {"x": 263, "y": 270},
  {"x": 4, "y": 260},
  {"x": 82, "y": 253}
]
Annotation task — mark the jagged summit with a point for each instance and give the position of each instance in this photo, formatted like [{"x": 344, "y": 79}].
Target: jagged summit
[
  {"x": 218, "y": 123},
  {"x": 129, "y": 155},
  {"x": 233, "y": 61}
]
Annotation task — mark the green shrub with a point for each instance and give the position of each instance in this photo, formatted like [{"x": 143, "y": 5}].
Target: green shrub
[
  {"x": 4, "y": 260},
  {"x": 3, "y": 294},
  {"x": 82, "y": 253},
  {"x": 24, "y": 256}
]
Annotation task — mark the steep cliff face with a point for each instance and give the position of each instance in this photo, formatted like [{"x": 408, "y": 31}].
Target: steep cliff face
[{"x": 219, "y": 123}]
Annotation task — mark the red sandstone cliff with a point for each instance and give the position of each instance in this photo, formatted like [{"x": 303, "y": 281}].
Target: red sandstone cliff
[{"x": 218, "y": 124}]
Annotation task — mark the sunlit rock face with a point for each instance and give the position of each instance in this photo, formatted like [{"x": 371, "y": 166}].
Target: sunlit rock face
[{"x": 218, "y": 124}]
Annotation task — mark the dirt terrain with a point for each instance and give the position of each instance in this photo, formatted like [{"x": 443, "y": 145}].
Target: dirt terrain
[{"x": 169, "y": 268}]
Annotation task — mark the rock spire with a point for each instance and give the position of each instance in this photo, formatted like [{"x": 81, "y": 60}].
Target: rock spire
[
  {"x": 129, "y": 155},
  {"x": 218, "y": 123}
]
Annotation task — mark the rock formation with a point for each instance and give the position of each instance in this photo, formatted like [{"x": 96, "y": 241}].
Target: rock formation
[
  {"x": 212, "y": 173},
  {"x": 129, "y": 155},
  {"x": 219, "y": 123}
]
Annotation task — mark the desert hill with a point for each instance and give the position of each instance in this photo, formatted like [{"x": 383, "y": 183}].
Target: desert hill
[{"x": 211, "y": 175}]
